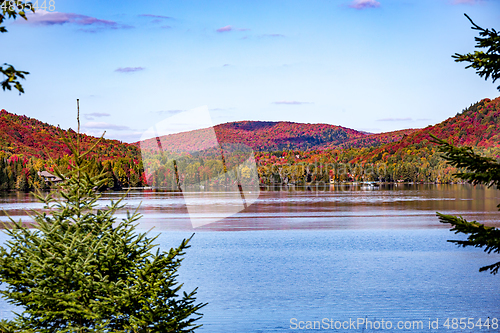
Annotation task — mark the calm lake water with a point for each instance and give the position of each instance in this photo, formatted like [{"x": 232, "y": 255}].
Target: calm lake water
[{"x": 334, "y": 255}]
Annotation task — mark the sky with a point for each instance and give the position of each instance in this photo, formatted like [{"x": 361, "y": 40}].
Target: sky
[{"x": 370, "y": 65}]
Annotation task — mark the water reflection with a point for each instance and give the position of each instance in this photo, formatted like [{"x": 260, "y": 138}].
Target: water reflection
[{"x": 327, "y": 207}]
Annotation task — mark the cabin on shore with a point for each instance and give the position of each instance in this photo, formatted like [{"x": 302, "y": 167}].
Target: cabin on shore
[{"x": 49, "y": 178}]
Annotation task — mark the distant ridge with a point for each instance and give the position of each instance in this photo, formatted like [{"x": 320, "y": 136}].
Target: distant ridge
[
  {"x": 27, "y": 136},
  {"x": 275, "y": 136},
  {"x": 373, "y": 139},
  {"x": 477, "y": 125}
]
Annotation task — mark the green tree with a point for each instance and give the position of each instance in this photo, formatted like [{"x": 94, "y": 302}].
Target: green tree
[
  {"x": 486, "y": 63},
  {"x": 478, "y": 169},
  {"x": 79, "y": 270},
  {"x": 12, "y": 9}
]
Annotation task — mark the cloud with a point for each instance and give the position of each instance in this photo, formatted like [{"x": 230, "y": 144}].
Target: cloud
[
  {"x": 225, "y": 29},
  {"x": 158, "y": 19},
  {"x": 364, "y": 4},
  {"x": 129, "y": 69},
  {"x": 129, "y": 137},
  {"x": 98, "y": 114},
  {"x": 221, "y": 109},
  {"x": 156, "y": 16},
  {"x": 273, "y": 35},
  {"x": 228, "y": 28},
  {"x": 90, "y": 116},
  {"x": 42, "y": 17},
  {"x": 125, "y": 136},
  {"x": 466, "y": 2},
  {"x": 169, "y": 112},
  {"x": 369, "y": 130},
  {"x": 172, "y": 112},
  {"x": 395, "y": 119},
  {"x": 177, "y": 111},
  {"x": 291, "y": 102},
  {"x": 105, "y": 126}
]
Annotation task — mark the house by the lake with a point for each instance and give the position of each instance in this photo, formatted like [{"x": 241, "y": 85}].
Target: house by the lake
[{"x": 48, "y": 177}]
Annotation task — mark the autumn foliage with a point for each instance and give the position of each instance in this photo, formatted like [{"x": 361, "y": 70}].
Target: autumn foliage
[{"x": 285, "y": 152}]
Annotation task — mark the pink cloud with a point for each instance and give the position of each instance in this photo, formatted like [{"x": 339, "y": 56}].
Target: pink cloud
[
  {"x": 230, "y": 28},
  {"x": 225, "y": 29},
  {"x": 467, "y": 2},
  {"x": 363, "y": 4},
  {"x": 90, "y": 116},
  {"x": 291, "y": 102},
  {"x": 156, "y": 16},
  {"x": 129, "y": 69},
  {"x": 43, "y": 17},
  {"x": 105, "y": 126},
  {"x": 273, "y": 35},
  {"x": 395, "y": 119}
]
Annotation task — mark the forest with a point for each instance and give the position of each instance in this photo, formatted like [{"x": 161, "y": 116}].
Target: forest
[{"x": 280, "y": 152}]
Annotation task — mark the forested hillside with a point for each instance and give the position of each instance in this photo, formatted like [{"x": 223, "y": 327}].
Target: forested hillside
[
  {"x": 30, "y": 137},
  {"x": 285, "y": 152},
  {"x": 274, "y": 136},
  {"x": 372, "y": 140},
  {"x": 476, "y": 126},
  {"x": 412, "y": 159},
  {"x": 28, "y": 146}
]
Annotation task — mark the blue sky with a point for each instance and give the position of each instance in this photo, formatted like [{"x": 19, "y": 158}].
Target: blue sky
[{"x": 371, "y": 65}]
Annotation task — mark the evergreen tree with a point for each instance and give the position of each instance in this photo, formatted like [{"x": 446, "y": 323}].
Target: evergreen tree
[
  {"x": 478, "y": 169},
  {"x": 79, "y": 270},
  {"x": 486, "y": 63}
]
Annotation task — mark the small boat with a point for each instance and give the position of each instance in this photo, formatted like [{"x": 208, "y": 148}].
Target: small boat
[{"x": 369, "y": 185}]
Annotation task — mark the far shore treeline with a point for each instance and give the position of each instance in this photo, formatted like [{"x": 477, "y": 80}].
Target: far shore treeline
[{"x": 285, "y": 153}]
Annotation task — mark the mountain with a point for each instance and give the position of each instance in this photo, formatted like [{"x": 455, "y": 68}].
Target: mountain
[
  {"x": 371, "y": 140},
  {"x": 272, "y": 136},
  {"x": 476, "y": 126},
  {"x": 27, "y": 136}
]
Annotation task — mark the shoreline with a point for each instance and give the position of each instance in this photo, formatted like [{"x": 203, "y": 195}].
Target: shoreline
[{"x": 263, "y": 186}]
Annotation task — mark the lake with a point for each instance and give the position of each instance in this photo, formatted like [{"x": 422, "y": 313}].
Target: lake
[{"x": 344, "y": 255}]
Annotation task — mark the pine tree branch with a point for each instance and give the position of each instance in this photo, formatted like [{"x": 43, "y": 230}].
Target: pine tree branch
[
  {"x": 479, "y": 169},
  {"x": 486, "y": 63},
  {"x": 479, "y": 236}
]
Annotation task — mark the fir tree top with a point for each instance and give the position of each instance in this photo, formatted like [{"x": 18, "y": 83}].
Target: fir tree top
[{"x": 80, "y": 270}]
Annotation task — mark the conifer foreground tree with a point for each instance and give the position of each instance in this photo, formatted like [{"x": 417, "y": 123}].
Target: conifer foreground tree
[
  {"x": 78, "y": 270},
  {"x": 478, "y": 169},
  {"x": 486, "y": 63}
]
